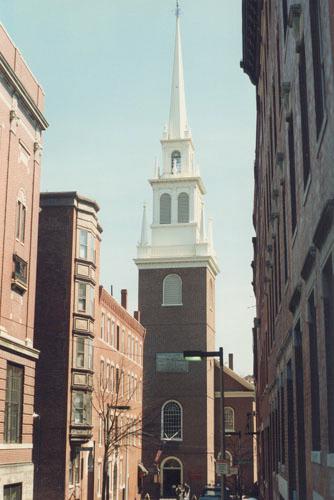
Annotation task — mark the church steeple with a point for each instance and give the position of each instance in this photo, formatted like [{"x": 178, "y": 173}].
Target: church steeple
[{"x": 178, "y": 124}]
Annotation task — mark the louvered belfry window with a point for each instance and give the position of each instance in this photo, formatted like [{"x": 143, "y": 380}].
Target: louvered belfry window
[
  {"x": 165, "y": 208},
  {"x": 172, "y": 290},
  {"x": 183, "y": 208}
]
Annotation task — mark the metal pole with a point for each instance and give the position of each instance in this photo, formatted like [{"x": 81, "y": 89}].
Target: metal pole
[{"x": 222, "y": 416}]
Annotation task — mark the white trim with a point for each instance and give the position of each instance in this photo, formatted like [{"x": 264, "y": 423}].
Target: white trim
[
  {"x": 16, "y": 446},
  {"x": 162, "y": 471},
  {"x": 178, "y": 262},
  {"x": 238, "y": 378},
  {"x": 162, "y": 421}
]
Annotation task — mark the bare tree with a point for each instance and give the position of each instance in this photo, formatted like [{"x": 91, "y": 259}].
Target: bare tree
[{"x": 113, "y": 397}]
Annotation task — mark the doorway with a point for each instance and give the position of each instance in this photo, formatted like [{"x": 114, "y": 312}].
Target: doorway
[{"x": 171, "y": 477}]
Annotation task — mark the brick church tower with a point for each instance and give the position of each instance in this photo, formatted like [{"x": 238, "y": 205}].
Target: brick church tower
[{"x": 177, "y": 270}]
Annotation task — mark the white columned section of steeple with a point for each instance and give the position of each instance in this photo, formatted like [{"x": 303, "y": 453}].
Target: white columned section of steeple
[
  {"x": 144, "y": 229},
  {"x": 177, "y": 125}
]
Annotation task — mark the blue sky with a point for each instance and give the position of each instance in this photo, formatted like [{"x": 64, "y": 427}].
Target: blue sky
[{"x": 106, "y": 68}]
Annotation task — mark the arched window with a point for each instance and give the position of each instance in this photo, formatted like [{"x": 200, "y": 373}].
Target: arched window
[
  {"x": 183, "y": 208},
  {"x": 229, "y": 419},
  {"x": 172, "y": 290},
  {"x": 176, "y": 162},
  {"x": 165, "y": 208},
  {"x": 171, "y": 421}
]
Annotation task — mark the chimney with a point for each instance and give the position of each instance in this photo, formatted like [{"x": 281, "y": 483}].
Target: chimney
[
  {"x": 230, "y": 361},
  {"x": 124, "y": 298},
  {"x": 137, "y": 315},
  {"x": 111, "y": 290}
]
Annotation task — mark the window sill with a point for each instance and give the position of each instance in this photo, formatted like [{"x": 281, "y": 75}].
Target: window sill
[
  {"x": 316, "y": 457},
  {"x": 171, "y": 305},
  {"x": 174, "y": 440}
]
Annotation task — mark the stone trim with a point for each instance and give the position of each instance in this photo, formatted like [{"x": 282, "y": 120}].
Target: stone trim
[
  {"x": 17, "y": 346},
  {"x": 236, "y": 394}
]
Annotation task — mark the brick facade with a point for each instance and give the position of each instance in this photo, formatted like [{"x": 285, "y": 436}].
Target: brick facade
[
  {"x": 288, "y": 54},
  {"x": 174, "y": 329},
  {"x": 21, "y": 126}
]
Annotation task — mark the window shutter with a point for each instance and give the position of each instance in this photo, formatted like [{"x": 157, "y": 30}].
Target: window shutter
[
  {"x": 172, "y": 290},
  {"x": 165, "y": 209},
  {"x": 183, "y": 208}
]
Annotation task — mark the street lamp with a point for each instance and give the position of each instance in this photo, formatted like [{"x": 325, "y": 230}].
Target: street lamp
[{"x": 198, "y": 356}]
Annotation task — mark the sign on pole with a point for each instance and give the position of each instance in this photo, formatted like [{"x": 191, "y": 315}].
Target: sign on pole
[{"x": 222, "y": 467}]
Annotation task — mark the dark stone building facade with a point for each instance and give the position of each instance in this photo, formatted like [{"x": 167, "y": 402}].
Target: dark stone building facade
[{"x": 288, "y": 54}]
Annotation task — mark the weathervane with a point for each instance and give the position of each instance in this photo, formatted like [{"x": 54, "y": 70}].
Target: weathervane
[{"x": 178, "y": 10}]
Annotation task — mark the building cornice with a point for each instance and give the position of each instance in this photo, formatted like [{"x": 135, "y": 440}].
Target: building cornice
[
  {"x": 20, "y": 89},
  {"x": 179, "y": 179},
  {"x": 178, "y": 262},
  {"x": 236, "y": 394},
  {"x": 10, "y": 343}
]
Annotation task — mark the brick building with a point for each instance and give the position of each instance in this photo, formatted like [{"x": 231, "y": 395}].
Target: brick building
[
  {"x": 240, "y": 443},
  {"x": 118, "y": 358},
  {"x": 288, "y": 55},
  {"x": 90, "y": 360},
  {"x": 21, "y": 127},
  {"x": 177, "y": 271}
]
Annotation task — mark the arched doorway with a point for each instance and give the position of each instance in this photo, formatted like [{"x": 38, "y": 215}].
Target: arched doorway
[{"x": 171, "y": 469}]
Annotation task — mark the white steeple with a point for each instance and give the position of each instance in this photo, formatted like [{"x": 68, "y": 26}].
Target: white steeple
[
  {"x": 178, "y": 125},
  {"x": 178, "y": 232}
]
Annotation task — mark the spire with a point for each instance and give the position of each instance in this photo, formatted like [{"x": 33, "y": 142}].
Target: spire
[
  {"x": 144, "y": 230},
  {"x": 177, "y": 114}
]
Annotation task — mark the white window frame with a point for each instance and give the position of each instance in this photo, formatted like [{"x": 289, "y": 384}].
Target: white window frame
[
  {"x": 231, "y": 428},
  {"x": 172, "y": 438}
]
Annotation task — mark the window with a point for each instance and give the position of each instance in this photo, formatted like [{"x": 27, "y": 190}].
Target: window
[
  {"x": 84, "y": 352},
  {"x": 176, "y": 162},
  {"x": 172, "y": 290},
  {"x": 82, "y": 408},
  {"x": 229, "y": 457},
  {"x": 12, "y": 491},
  {"x": 165, "y": 208},
  {"x": 19, "y": 275},
  {"x": 86, "y": 298},
  {"x": 20, "y": 220},
  {"x": 229, "y": 419},
  {"x": 102, "y": 373},
  {"x": 112, "y": 378},
  {"x": 112, "y": 340},
  {"x": 183, "y": 207},
  {"x": 86, "y": 245},
  {"x": 102, "y": 325},
  {"x": 314, "y": 370},
  {"x": 13, "y": 404},
  {"x": 108, "y": 331},
  {"x": 74, "y": 467},
  {"x": 171, "y": 421},
  {"x": 303, "y": 97}
]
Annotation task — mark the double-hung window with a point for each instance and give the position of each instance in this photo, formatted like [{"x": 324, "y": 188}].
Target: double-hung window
[
  {"x": 86, "y": 245},
  {"x": 12, "y": 491},
  {"x": 86, "y": 298},
  {"x": 20, "y": 221},
  {"x": 82, "y": 408},
  {"x": 13, "y": 404},
  {"x": 84, "y": 352}
]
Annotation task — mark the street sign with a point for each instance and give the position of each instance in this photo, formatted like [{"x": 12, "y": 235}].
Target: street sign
[{"x": 222, "y": 467}]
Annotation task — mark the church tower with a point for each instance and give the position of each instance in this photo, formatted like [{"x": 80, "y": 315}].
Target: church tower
[{"x": 177, "y": 269}]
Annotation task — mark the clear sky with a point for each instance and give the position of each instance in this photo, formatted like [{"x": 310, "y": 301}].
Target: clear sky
[{"x": 106, "y": 68}]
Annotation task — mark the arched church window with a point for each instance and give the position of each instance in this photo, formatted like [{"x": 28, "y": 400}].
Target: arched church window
[
  {"x": 171, "y": 421},
  {"x": 172, "y": 290},
  {"x": 229, "y": 457},
  {"x": 176, "y": 162},
  {"x": 165, "y": 208},
  {"x": 229, "y": 419},
  {"x": 183, "y": 207}
]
